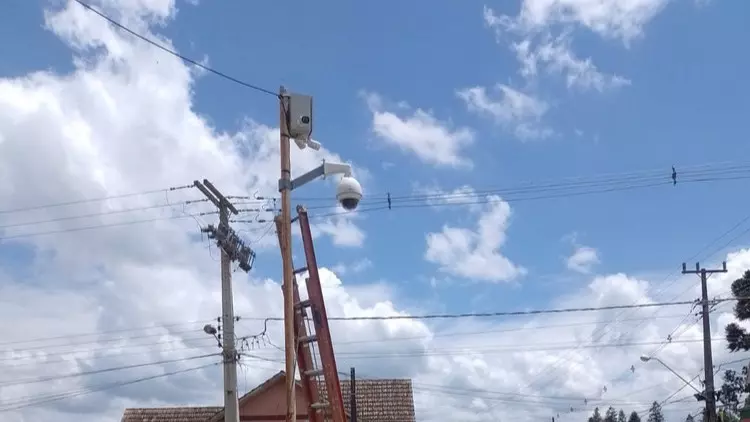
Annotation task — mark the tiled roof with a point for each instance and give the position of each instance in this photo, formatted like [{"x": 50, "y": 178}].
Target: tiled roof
[
  {"x": 378, "y": 400},
  {"x": 381, "y": 400},
  {"x": 170, "y": 414}
]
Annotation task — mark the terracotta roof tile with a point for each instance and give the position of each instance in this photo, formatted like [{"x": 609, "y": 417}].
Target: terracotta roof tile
[
  {"x": 378, "y": 400},
  {"x": 170, "y": 414}
]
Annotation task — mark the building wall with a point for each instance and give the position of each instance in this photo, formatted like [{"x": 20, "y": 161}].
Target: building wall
[{"x": 270, "y": 405}]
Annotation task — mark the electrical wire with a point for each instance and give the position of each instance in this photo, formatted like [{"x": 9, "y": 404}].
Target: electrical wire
[
  {"x": 25, "y": 381},
  {"x": 100, "y": 214},
  {"x": 99, "y": 199},
  {"x": 504, "y": 313},
  {"x": 372, "y": 206},
  {"x": 546, "y": 371},
  {"x": 115, "y": 331},
  {"x": 174, "y": 53},
  {"x": 36, "y": 400},
  {"x": 109, "y": 225}
]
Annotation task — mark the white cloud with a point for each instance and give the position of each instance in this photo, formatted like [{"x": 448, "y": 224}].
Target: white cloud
[
  {"x": 621, "y": 19},
  {"x": 437, "y": 197},
  {"x": 431, "y": 140},
  {"x": 353, "y": 268},
  {"x": 583, "y": 259},
  {"x": 475, "y": 254},
  {"x": 556, "y": 56},
  {"x": 519, "y": 112},
  {"x": 124, "y": 123}
]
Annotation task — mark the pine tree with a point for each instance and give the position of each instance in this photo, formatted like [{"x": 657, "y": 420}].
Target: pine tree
[
  {"x": 610, "y": 415},
  {"x": 737, "y": 337},
  {"x": 621, "y": 416},
  {"x": 655, "y": 414},
  {"x": 596, "y": 417},
  {"x": 634, "y": 417},
  {"x": 690, "y": 418},
  {"x": 733, "y": 392}
]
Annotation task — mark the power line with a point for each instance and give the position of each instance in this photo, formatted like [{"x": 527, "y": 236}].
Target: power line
[
  {"x": 366, "y": 209},
  {"x": 535, "y": 186},
  {"x": 101, "y": 226},
  {"x": 101, "y": 371},
  {"x": 120, "y": 330},
  {"x": 99, "y": 199},
  {"x": 176, "y": 54},
  {"x": 663, "y": 288},
  {"x": 474, "y": 350},
  {"x": 29, "y": 401},
  {"x": 100, "y": 214},
  {"x": 500, "y": 313},
  {"x": 382, "y": 204},
  {"x": 670, "y": 336}
]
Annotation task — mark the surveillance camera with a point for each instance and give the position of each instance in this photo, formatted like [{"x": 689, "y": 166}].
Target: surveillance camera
[
  {"x": 349, "y": 193},
  {"x": 314, "y": 145}
]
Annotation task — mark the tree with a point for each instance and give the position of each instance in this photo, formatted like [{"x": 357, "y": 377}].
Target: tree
[
  {"x": 690, "y": 418},
  {"x": 733, "y": 391},
  {"x": 655, "y": 414},
  {"x": 738, "y": 337},
  {"x": 634, "y": 417},
  {"x": 611, "y": 415},
  {"x": 621, "y": 416},
  {"x": 596, "y": 417}
]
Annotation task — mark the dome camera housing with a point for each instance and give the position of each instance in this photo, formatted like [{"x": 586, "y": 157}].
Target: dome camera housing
[{"x": 349, "y": 193}]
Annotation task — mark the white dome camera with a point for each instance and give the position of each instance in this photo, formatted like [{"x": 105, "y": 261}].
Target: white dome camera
[{"x": 349, "y": 193}]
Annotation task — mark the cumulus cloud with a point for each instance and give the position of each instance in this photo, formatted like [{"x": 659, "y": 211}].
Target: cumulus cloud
[
  {"x": 474, "y": 253},
  {"x": 582, "y": 259},
  {"x": 86, "y": 300},
  {"x": 419, "y": 132},
  {"x": 511, "y": 108}
]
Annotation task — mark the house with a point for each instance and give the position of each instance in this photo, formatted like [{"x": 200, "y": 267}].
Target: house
[{"x": 378, "y": 400}]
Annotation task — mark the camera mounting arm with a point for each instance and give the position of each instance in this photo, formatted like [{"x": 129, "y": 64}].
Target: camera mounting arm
[{"x": 323, "y": 170}]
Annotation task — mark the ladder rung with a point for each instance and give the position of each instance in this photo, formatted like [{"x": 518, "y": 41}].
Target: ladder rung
[
  {"x": 322, "y": 405},
  {"x": 302, "y": 304},
  {"x": 308, "y": 339},
  {"x": 300, "y": 270},
  {"x": 314, "y": 373}
]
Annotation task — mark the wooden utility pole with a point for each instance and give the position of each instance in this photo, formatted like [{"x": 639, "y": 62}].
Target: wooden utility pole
[
  {"x": 285, "y": 223},
  {"x": 708, "y": 360}
]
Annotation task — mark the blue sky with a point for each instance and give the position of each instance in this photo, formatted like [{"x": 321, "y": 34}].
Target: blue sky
[
  {"x": 420, "y": 97},
  {"x": 684, "y": 106}
]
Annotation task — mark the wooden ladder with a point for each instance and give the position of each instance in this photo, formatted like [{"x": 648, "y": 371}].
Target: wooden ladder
[{"x": 310, "y": 337}]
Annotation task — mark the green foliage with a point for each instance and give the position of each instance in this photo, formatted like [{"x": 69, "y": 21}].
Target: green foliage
[
  {"x": 596, "y": 417},
  {"x": 737, "y": 337},
  {"x": 621, "y": 416},
  {"x": 610, "y": 415},
  {"x": 634, "y": 417},
  {"x": 655, "y": 414},
  {"x": 732, "y": 392}
]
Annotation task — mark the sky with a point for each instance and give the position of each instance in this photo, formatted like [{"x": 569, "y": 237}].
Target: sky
[{"x": 527, "y": 148}]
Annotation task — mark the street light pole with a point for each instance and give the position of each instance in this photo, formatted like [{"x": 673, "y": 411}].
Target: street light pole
[
  {"x": 286, "y": 253},
  {"x": 295, "y": 123},
  {"x": 649, "y": 358}
]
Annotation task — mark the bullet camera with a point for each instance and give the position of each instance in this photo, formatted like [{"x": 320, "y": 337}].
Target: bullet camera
[{"x": 349, "y": 193}]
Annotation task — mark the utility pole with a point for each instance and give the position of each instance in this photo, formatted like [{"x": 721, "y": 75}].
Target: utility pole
[
  {"x": 232, "y": 249},
  {"x": 353, "y": 396},
  {"x": 708, "y": 360},
  {"x": 295, "y": 123},
  {"x": 285, "y": 223}
]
